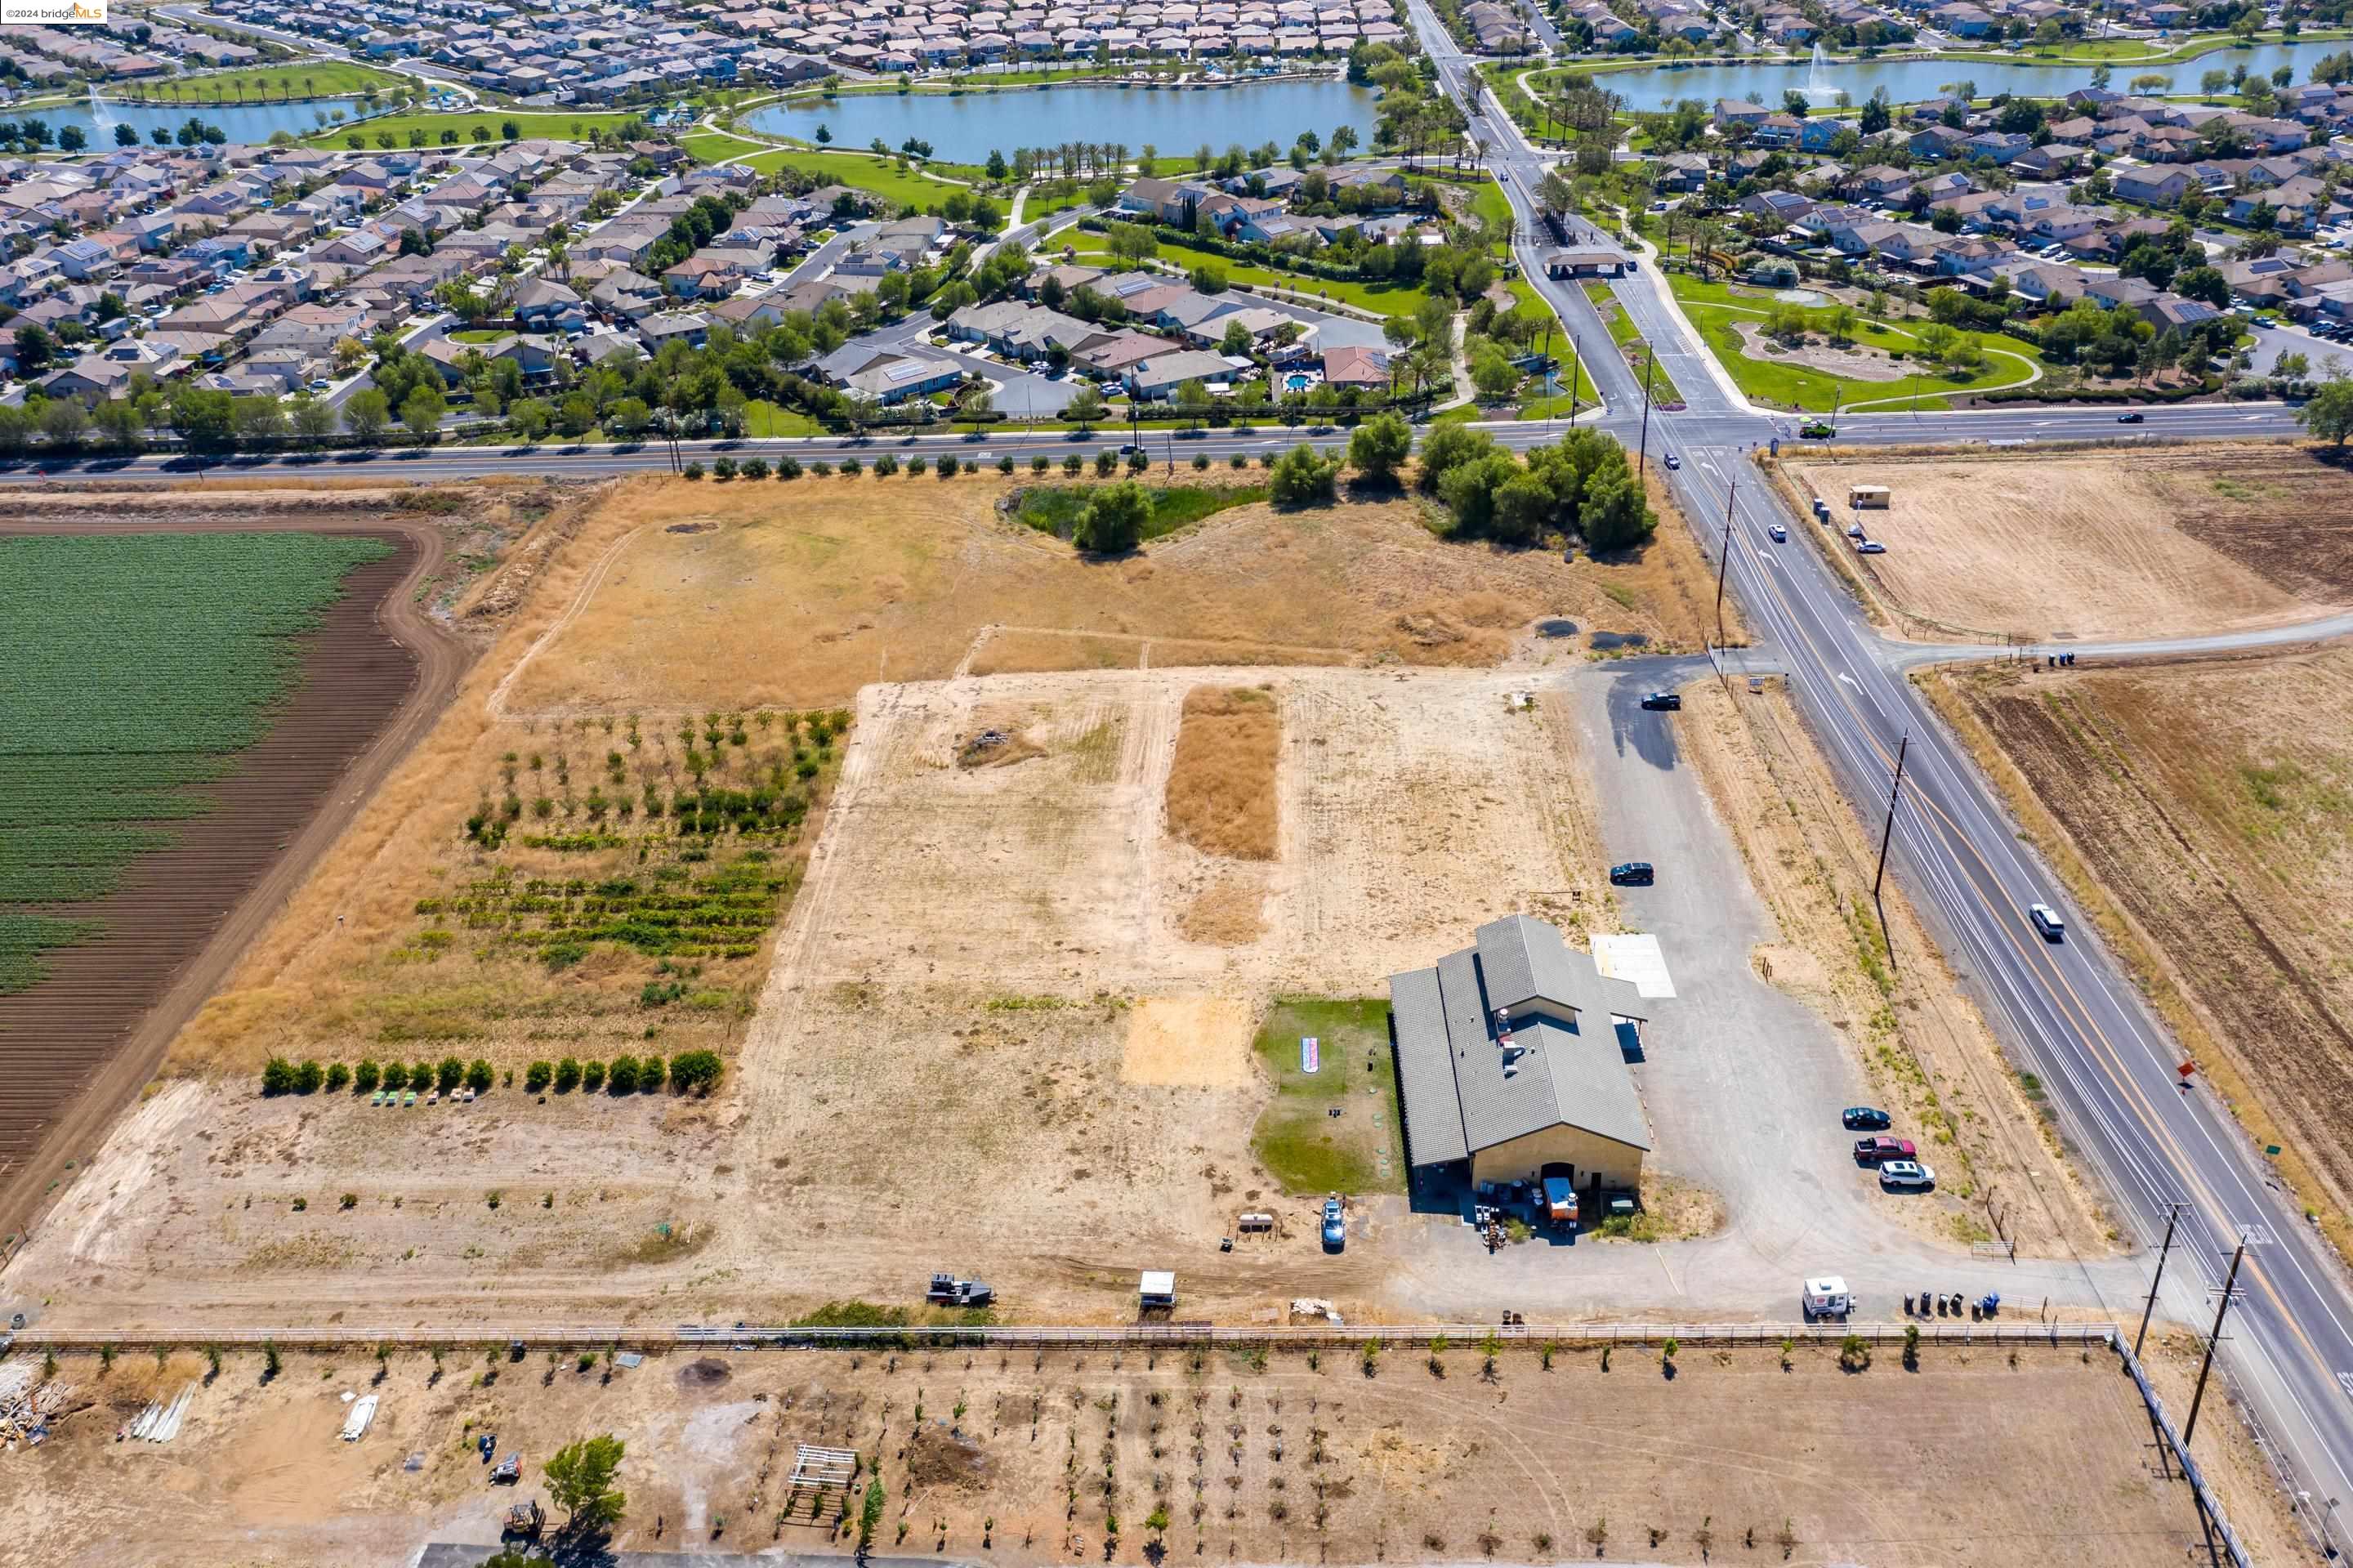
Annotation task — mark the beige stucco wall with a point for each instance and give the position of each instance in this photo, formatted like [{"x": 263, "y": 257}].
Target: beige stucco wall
[{"x": 1618, "y": 1164}]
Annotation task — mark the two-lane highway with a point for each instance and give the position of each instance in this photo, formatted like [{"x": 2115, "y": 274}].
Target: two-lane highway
[{"x": 2065, "y": 1009}]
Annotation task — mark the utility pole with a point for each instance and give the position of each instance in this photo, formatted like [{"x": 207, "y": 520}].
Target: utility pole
[
  {"x": 2172, "y": 1218},
  {"x": 1650, "y": 362},
  {"x": 2213, "y": 1339},
  {"x": 1724, "y": 559},
  {"x": 1888, "y": 831}
]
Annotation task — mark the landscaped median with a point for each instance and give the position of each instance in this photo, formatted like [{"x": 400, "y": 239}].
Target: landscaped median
[
  {"x": 1631, "y": 343},
  {"x": 1789, "y": 353}
]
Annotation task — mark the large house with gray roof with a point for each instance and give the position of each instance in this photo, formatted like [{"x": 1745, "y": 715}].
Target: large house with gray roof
[{"x": 1509, "y": 1058}]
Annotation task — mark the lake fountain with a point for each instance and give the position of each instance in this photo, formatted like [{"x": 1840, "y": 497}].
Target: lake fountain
[
  {"x": 101, "y": 118},
  {"x": 1819, "y": 88}
]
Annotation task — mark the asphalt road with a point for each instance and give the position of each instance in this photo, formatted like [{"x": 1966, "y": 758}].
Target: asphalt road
[{"x": 2066, "y": 1010}]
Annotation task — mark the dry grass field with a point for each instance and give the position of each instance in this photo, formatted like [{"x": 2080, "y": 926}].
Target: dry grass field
[
  {"x": 1001, "y": 1458},
  {"x": 1220, "y": 793},
  {"x": 2132, "y": 542},
  {"x": 2213, "y": 805},
  {"x": 797, "y": 596}
]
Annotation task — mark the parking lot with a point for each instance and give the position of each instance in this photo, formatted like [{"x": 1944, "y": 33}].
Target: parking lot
[{"x": 1743, "y": 1083}]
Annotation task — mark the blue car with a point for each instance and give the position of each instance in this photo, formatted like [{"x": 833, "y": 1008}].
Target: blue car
[{"x": 1335, "y": 1226}]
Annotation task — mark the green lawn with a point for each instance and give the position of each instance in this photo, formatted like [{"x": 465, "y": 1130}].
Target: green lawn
[
  {"x": 1298, "y": 1140},
  {"x": 763, "y": 419},
  {"x": 1717, "y": 310},
  {"x": 711, "y": 147},
  {"x": 480, "y": 335},
  {"x": 2139, "y": 51},
  {"x": 291, "y": 83},
  {"x": 1384, "y": 299},
  {"x": 882, "y": 177},
  {"x": 1490, "y": 206},
  {"x": 563, "y": 127},
  {"x": 1055, "y": 508}
]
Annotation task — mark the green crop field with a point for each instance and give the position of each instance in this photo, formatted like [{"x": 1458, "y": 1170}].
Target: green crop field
[{"x": 132, "y": 669}]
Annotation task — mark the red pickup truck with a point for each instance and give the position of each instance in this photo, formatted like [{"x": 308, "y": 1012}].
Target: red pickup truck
[{"x": 1872, "y": 1151}]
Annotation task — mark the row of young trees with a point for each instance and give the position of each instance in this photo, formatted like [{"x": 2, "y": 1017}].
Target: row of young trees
[{"x": 689, "y": 1072}]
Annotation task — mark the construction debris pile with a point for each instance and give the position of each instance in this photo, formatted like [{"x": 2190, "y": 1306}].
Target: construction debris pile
[
  {"x": 26, "y": 1410},
  {"x": 160, "y": 1423}
]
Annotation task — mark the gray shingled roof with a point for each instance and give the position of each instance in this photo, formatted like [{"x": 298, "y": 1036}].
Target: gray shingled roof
[
  {"x": 1524, "y": 961},
  {"x": 1461, "y": 1094},
  {"x": 1434, "y": 1117}
]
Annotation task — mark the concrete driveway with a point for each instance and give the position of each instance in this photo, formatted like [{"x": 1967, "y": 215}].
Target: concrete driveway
[{"x": 1743, "y": 1086}]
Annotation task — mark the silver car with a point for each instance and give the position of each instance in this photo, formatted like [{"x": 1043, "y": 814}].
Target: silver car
[
  {"x": 1335, "y": 1226},
  {"x": 1906, "y": 1173}
]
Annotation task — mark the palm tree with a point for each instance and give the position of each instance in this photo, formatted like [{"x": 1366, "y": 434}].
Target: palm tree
[{"x": 306, "y": 88}]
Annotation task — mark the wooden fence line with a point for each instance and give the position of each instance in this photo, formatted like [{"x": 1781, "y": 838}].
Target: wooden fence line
[{"x": 1152, "y": 1336}]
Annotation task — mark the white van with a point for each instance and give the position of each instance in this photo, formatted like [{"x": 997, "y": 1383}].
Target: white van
[{"x": 2046, "y": 920}]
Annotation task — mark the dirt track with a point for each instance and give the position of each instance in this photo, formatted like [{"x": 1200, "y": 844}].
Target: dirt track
[{"x": 313, "y": 817}]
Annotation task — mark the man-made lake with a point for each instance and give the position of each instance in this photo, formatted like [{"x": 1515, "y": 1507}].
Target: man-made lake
[
  {"x": 1909, "y": 81},
  {"x": 964, "y": 129},
  {"x": 240, "y": 122}
]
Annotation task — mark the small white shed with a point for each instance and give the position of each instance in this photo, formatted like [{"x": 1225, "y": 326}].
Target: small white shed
[{"x": 1157, "y": 1287}]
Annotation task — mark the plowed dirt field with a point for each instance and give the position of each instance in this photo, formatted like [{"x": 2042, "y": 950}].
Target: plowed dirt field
[
  {"x": 2215, "y": 803},
  {"x": 2113, "y": 545}
]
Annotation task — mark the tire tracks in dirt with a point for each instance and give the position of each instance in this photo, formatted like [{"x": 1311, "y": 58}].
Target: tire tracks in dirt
[{"x": 495, "y": 705}]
